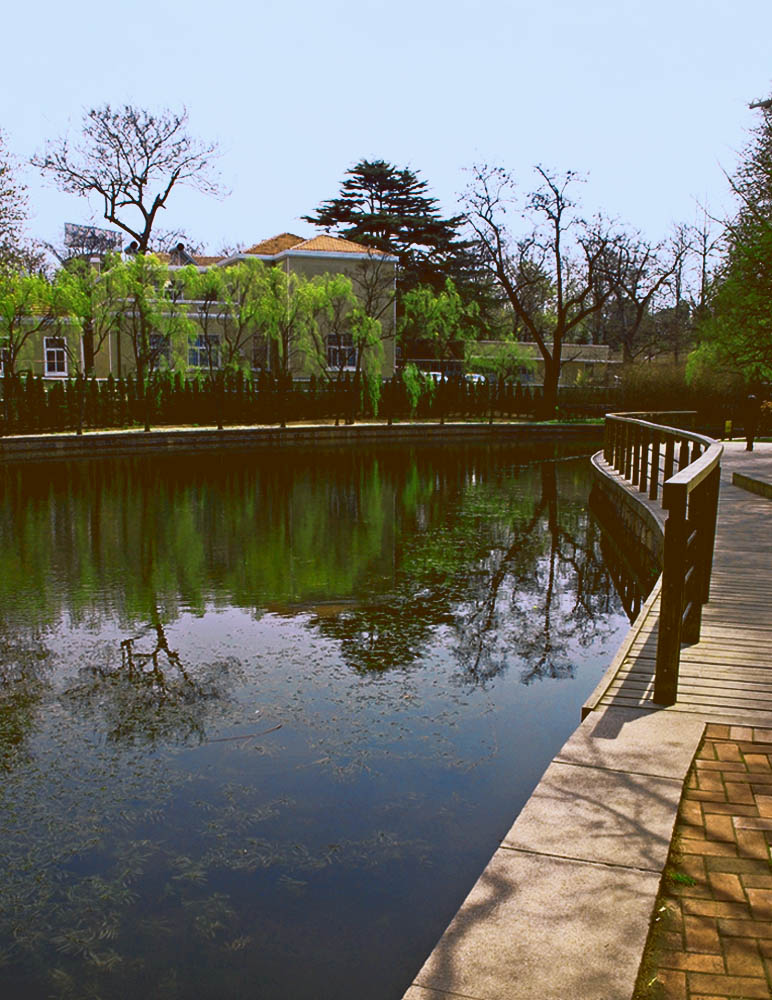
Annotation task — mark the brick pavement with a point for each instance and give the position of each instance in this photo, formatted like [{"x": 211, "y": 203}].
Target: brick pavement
[{"x": 712, "y": 934}]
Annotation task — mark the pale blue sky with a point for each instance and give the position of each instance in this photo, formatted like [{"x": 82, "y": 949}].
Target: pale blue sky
[{"x": 649, "y": 99}]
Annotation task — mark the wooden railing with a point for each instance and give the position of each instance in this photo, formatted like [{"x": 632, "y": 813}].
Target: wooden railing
[{"x": 680, "y": 470}]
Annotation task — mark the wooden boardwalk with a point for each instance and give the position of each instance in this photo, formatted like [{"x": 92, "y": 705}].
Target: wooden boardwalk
[{"x": 726, "y": 677}]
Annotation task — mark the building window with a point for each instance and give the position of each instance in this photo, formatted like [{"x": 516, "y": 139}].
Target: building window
[
  {"x": 341, "y": 353},
  {"x": 204, "y": 351},
  {"x": 160, "y": 351},
  {"x": 55, "y": 349},
  {"x": 260, "y": 354},
  {"x": 4, "y": 355}
]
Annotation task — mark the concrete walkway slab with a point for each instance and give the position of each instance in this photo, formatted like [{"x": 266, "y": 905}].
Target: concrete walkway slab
[
  {"x": 660, "y": 743},
  {"x": 594, "y": 815},
  {"x": 527, "y": 927},
  {"x": 577, "y": 874}
]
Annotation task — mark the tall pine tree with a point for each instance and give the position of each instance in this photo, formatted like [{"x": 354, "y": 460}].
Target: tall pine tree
[{"x": 390, "y": 209}]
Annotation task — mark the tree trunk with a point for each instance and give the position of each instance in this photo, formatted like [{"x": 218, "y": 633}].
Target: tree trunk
[
  {"x": 146, "y": 390},
  {"x": 81, "y": 401},
  {"x": 549, "y": 403}
]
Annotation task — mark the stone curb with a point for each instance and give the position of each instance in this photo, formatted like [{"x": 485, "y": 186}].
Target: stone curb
[
  {"x": 563, "y": 909},
  {"x": 119, "y": 443}
]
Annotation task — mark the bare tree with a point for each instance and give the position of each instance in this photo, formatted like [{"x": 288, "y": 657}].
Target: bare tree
[
  {"x": 15, "y": 249},
  {"x": 132, "y": 159},
  {"x": 644, "y": 272},
  {"x": 704, "y": 238},
  {"x": 558, "y": 244},
  {"x": 684, "y": 298}
]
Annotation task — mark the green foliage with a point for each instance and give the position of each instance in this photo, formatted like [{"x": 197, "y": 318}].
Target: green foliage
[
  {"x": 29, "y": 305},
  {"x": 504, "y": 359},
  {"x": 680, "y": 878},
  {"x": 440, "y": 318},
  {"x": 90, "y": 307},
  {"x": 154, "y": 316},
  {"x": 417, "y": 384},
  {"x": 736, "y": 334}
]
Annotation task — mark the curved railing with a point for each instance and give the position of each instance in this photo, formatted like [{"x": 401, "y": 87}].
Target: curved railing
[{"x": 679, "y": 470}]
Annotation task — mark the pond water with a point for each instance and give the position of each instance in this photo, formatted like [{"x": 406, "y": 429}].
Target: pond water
[{"x": 264, "y": 718}]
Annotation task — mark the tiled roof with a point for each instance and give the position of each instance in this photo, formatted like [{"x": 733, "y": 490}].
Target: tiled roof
[
  {"x": 334, "y": 244},
  {"x": 317, "y": 244},
  {"x": 276, "y": 244},
  {"x": 204, "y": 261}
]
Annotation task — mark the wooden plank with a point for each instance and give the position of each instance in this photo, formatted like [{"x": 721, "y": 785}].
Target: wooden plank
[{"x": 727, "y": 674}]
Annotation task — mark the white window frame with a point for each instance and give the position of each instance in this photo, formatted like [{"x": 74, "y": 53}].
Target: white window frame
[
  {"x": 198, "y": 351},
  {"x": 55, "y": 357},
  {"x": 341, "y": 346},
  {"x": 160, "y": 350}
]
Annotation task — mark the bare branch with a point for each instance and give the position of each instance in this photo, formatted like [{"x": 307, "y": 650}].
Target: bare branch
[{"x": 132, "y": 159}]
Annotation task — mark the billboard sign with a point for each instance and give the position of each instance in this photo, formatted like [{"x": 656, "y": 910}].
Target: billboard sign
[{"x": 90, "y": 239}]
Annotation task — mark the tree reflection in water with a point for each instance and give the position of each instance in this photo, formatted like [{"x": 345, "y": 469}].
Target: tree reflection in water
[
  {"x": 519, "y": 579},
  {"x": 542, "y": 597},
  {"x": 148, "y": 695},
  {"x": 24, "y": 678}
]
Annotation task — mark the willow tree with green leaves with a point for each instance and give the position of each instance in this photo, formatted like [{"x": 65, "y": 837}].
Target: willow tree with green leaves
[
  {"x": 154, "y": 318},
  {"x": 206, "y": 313},
  {"x": 284, "y": 317},
  {"x": 29, "y": 306},
  {"x": 89, "y": 314},
  {"x": 344, "y": 340},
  {"x": 227, "y": 311},
  {"x": 441, "y": 319}
]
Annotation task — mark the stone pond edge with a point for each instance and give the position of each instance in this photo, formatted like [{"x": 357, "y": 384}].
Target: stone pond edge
[{"x": 93, "y": 444}]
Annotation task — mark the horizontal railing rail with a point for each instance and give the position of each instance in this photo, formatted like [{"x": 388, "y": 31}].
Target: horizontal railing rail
[{"x": 680, "y": 470}]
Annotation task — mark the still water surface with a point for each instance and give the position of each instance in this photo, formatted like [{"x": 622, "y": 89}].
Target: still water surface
[{"x": 263, "y": 719}]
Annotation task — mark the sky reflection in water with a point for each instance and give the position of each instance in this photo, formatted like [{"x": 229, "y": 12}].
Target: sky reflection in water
[{"x": 264, "y": 719}]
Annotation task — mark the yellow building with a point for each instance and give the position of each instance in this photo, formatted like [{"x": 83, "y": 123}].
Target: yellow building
[{"x": 55, "y": 353}]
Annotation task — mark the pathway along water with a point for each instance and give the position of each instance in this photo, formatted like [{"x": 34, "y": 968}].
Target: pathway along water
[
  {"x": 563, "y": 907},
  {"x": 262, "y": 723}
]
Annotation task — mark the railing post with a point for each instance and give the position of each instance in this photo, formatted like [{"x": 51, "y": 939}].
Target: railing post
[
  {"x": 644, "y": 460},
  {"x": 636, "y": 462},
  {"x": 712, "y": 484},
  {"x": 654, "y": 471},
  {"x": 671, "y": 600},
  {"x": 629, "y": 431},
  {"x": 691, "y": 615},
  {"x": 618, "y": 445},
  {"x": 669, "y": 459},
  {"x": 683, "y": 455}
]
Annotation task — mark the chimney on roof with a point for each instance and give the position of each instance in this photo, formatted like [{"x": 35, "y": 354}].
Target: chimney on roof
[{"x": 132, "y": 248}]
